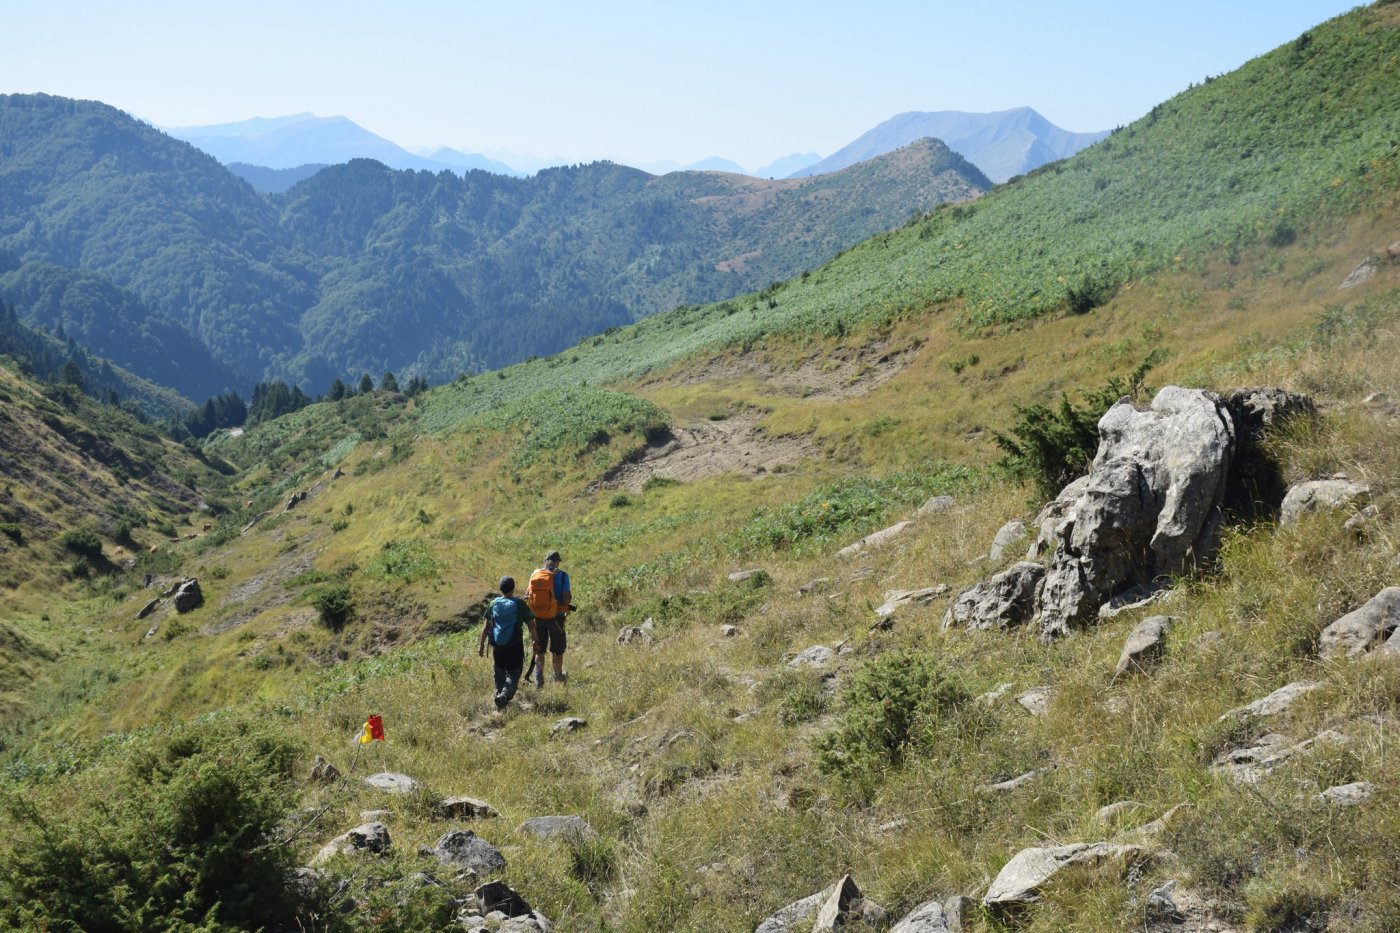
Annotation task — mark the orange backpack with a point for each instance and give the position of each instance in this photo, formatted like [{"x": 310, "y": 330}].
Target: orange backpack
[{"x": 539, "y": 594}]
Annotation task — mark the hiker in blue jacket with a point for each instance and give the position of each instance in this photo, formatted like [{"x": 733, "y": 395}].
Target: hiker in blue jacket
[{"x": 503, "y": 628}]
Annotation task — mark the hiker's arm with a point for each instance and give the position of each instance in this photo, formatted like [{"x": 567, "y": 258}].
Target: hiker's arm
[
  {"x": 481, "y": 643},
  {"x": 534, "y": 636}
]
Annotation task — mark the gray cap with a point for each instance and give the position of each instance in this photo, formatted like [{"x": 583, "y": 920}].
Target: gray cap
[{"x": 552, "y": 556}]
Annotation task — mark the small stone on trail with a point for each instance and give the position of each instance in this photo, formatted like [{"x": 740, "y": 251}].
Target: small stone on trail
[
  {"x": 392, "y": 781},
  {"x": 569, "y": 724}
]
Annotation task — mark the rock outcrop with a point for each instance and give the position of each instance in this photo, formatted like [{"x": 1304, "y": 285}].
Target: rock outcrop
[
  {"x": 1161, "y": 486},
  {"x": 1003, "y": 601}
]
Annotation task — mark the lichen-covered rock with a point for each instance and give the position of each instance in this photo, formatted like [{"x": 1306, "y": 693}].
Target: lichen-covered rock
[
  {"x": 1008, "y": 536},
  {"x": 463, "y": 808},
  {"x": 1280, "y": 701}
]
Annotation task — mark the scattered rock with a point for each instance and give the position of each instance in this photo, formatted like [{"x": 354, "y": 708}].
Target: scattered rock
[
  {"x": 1348, "y": 795},
  {"x": 728, "y": 631},
  {"x": 1115, "y": 813},
  {"x": 1013, "y": 783},
  {"x": 1362, "y": 629},
  {"x": 813, "y": 586},
  {"x": 149, "y": 608},
  {"x": 1021, "y": 879},
  {"x": 936, "y": 505},
  {"x": 296, "y": 499},
  {"x": 370, "y": 837},
  {"x": 902, "y": 599},
  {"x": 188, "y": 596},
  {"x": 836, "y": 907},
  {"x": 741, "y": 576},
  {"x": 875, "y": 539},
  {"x": 844, "y": 906},
  {"x": 1150, "y": 831},
  {"x": 323, "y": 772},
  {"x": 1005, "y": 600},
  {"x": 248, "y": 527},
  {"x": 463, "y": 848},
  {"x": 1007, "y": 537},
  {"x": 463, "y": 808},
  {"x": 928, "y": 917},
  {"x": 499, "y": 896},
  {"x": 634, "y": 635},
  {"x": 1363, "y": 272},
  {"x": 1145, "y": 646},
  {"x": 995, "y": 694},
  {"x": 958, "y": 910},
  {"x": 370, "y": 816},
  {"x": 393, "y": 782},
  {"x": 1321, "y": 495},
  {"x": 1362, "y": 522},
  {"x": 1280, "y": 701},
  {"x": 1139, "y": 597},
  {"x": 1250, "y": 765},
  {"x": 548, "y": 827},
  {"x": 1036, "y": 700},
  {"x": 568, "y": 724},
  {"x": 817, "y": 656}
]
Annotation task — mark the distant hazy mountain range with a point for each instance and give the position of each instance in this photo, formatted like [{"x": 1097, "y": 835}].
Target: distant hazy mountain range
[
  {"x": 1002, "y": 145},
  {"x": 305, "y": 139},
  {"x": 272, "y": 154}
]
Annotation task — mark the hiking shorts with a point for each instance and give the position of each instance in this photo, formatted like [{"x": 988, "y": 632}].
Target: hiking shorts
[{"x": 551, "y": 633}]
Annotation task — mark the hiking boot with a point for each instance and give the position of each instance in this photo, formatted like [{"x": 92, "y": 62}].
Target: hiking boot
[{"x": 560, "y": 677}]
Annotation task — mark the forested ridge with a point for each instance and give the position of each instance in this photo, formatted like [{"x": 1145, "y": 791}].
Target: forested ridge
[{"x": 361, "y": 268}]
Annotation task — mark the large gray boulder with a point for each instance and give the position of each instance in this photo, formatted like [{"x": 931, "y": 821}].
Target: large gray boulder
[
  {"x": 1162, "y": 483},
  {"x": 1002, "y": 601},
  {"x": 189, "y": 596},
  {"x": 1151, "y": 508},
  {"x": 1020, "y": 880},
  {"x": 1359, "y": 631}
]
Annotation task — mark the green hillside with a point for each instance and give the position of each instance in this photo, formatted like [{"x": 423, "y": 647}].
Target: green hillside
[{"x": 1246, "y": 233}]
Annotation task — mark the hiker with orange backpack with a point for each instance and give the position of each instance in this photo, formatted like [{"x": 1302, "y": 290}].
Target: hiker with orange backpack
[{"x": 548, "y": 596}]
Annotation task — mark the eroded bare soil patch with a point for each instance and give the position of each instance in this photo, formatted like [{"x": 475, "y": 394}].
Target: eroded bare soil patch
[{"x": 686, "y": 454}]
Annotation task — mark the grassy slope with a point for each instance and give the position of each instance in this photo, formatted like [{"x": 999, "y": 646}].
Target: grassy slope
[{"x": 744, "y": 796}]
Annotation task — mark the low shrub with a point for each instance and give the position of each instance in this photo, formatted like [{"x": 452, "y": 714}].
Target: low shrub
[
  {"x": 334, "y": 602},
  {"x": 186, "y": 838},
  {"x": 81, "y": 542}
]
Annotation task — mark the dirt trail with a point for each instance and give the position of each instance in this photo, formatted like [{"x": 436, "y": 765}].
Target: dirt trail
[{"x": 848, "y": 373}]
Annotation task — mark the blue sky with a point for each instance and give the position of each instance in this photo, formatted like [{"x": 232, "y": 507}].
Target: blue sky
[{"x": 631, "y": 81}]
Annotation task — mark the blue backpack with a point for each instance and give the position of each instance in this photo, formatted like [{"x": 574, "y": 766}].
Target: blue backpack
[{"x": 505, "y": 620}]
